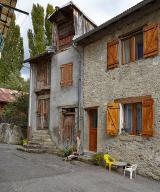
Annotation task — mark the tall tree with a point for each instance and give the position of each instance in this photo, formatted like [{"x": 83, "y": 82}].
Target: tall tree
[
  {"x": 41, "y": 36},
  {"x": 48, "y": 25},
  {"x": 12, "y": 55}
]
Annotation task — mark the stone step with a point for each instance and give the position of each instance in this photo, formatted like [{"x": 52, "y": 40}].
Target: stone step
[
  {"x": 32, "y": 145},
  {"x": 31, "y": 150}
]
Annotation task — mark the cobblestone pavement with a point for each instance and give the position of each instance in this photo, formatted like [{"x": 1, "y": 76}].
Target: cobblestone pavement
[{"x": 24, "y": 172}]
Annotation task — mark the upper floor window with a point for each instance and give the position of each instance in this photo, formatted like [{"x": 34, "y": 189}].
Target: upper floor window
[
  {"x": 132, "y": 48},
  {"x": 43, "y": 76},
  {"x": 141, "y": 44},
  {"x": 66, "y": 74}
]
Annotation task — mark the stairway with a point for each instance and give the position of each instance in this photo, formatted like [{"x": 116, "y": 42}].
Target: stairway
[{"x": 41, "y": 143}]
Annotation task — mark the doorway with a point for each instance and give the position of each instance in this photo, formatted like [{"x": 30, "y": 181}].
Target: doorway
[{"x": 93, "y": 122}]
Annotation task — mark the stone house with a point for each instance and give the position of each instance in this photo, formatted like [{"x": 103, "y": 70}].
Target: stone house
[
  {"x": 121, "y": 94},
  {"x": 55, "y": 79}
]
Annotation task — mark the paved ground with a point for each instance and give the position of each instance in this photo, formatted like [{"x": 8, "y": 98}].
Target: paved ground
[{"x": 23, "y": 172}]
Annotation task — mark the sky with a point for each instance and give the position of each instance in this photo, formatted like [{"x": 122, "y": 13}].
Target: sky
[{"x": 98, "y": 11}]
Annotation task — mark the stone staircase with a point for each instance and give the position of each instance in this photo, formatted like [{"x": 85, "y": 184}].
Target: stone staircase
[{"x": 41, "y": 142}]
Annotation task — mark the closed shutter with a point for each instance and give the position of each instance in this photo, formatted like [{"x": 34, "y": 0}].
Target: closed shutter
[
  {"x": 62, "y": 75},
  {"x": 112, "y": 54},
  {"x": 132, "y": 54},
  {"x": 147, "y": 117},
  {"x": 69, "y": 74},
  {"x": 112, "y": 124},
  {"x": 66, "y": 74},
  {"x": 151, "y": 46}
]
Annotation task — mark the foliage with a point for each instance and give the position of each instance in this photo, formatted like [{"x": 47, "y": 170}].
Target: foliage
[
  {"x": 12, "y": 57},
  {"x": 41, "y": 36},
  {"x": 97, "y": 159},
  {"x": 68, "y": 150},
  {"x": 17, "y": 112},
  {"x": 48, "y": 26}
]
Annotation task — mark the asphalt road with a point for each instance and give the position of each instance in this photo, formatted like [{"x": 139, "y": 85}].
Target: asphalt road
[{"x": 23, "y": 172}]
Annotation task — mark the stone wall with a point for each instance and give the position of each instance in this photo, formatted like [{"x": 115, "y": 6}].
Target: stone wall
[
  {"x": 145, "y": 152},
  {"x": 10, "y": 134},
  {"x": 101, "y": 86}
]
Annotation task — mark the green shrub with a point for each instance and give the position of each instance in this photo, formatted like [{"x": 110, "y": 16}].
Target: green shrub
[{"x": 98, "y": 159}]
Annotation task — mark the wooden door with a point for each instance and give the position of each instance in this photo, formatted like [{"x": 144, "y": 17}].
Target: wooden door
[
  {"x": 68, "y": 126},
  {"x": 93, "y": 121}
]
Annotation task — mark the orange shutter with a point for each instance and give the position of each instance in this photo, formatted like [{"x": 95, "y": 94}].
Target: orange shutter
[
  {"x": 112, "y": 118},
  {"x": 147, "y": 117},
  {"x": 151, "y": 40},
  {"x": 112, "y": 54}
]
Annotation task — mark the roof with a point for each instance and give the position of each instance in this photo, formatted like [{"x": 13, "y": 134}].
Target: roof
[
  {"x": 7, "y": 95},
  {"x": 6, "y": 15},
  {"x": 40, "y": 56},
  {"x": 82, "y": 39},
  {"x": 70, "y": 4}
]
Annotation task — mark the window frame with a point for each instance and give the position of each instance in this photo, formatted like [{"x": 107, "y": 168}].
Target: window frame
[{"x": 132, "y": 38}]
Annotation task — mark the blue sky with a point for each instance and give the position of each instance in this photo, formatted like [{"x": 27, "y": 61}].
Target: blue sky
[{"x": 98, "y": 11}]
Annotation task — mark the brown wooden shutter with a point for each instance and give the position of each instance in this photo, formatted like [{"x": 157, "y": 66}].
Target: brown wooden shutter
[
  {"x": 70, "y": 74},
  {"x": 62, "y": 75},
  {"x": 112, "y": 54},
  {"x": 151, "y": 40},
  {"x": 147, "y": 117},
  {"x": 112, "y": 125}
]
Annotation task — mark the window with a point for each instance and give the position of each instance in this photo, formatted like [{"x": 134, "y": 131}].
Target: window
[
  {"x": 66, "y": 75},
  {"x": 137, "y": 118},
  {"x": 132, "y": 48},
  {"x": 133, "y": 118},
  {"x": 43, "y": 75}
]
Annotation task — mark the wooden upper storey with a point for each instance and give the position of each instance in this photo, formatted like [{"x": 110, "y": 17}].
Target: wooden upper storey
[{"x": 68, "y": 23}]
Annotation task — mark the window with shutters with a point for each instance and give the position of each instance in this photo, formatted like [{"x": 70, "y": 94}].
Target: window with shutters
[
  {"x": 43, "y": 76},
  {"x": 137, "y": 116},
  {"x": 112, "y": 54},
  {"x": 66, "y": 75},
  {"x": 140, "y": 44}
]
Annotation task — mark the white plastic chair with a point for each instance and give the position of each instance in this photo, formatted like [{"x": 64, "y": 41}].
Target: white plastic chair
[{"x": 131, "y": 169}]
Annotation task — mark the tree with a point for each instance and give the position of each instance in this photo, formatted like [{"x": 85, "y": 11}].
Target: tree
[
  {"x": 41, "y": 36},
  {"x": 12, "y": 56},
  {"x": 48, "y": 25},
  {"x": 17, "y": 112}
]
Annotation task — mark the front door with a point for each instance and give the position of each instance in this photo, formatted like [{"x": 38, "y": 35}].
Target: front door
[
  {"x": 93, "y": 121},
  {"x": 68, "y": 127}
]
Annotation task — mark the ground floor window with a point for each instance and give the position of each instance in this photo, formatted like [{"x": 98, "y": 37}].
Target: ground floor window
[
  {"x": 133, "y": 118},
  {"x": 133, "y": 115}
]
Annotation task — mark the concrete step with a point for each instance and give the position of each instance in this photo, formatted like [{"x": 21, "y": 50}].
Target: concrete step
[{"x": 32, "y": 145}]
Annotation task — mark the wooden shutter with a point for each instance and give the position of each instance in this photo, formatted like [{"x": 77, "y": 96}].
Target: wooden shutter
[
  {"x": 62, "y": 75},
  {"x": 112, "y": 125},
  {"x": 66, "y": 74},
  {"x": 132, "y": 54},
  {"x": 69, "y": 74},
  {"x": 147, "y": 117},
  {"x": 151, "y": 40},
  {"x": 112, "y": 54}
]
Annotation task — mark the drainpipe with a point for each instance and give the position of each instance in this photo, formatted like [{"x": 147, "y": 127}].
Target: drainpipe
[{"x": 80, "y": 97}]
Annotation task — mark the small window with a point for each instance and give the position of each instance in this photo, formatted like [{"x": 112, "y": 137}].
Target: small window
[
  {"x": 133, "y": 118},
  {"x": 66, "y": 75},
  {"x": 132, "y": 48}
]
